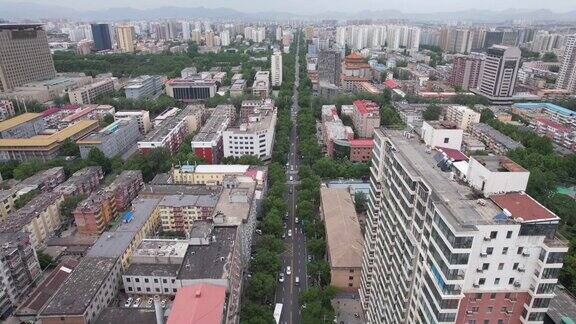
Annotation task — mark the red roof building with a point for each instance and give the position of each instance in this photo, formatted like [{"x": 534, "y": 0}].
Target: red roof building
[
  {"x": 198, "y": 304},
  {"x": 452, "y": 154},
  {"x": 361, "y": 149},
  {"x": 366, "y": 117},
  {"x": 560, "y": 134},
  {"x": 522, "y": 206},
  {"x": 391, "y": 84}
]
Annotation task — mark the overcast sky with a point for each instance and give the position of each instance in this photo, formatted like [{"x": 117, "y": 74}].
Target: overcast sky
[{"x": 314, "y": 6}]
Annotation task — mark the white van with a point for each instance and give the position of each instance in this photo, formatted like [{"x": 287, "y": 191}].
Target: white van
[{"x": 291, "y": 178}]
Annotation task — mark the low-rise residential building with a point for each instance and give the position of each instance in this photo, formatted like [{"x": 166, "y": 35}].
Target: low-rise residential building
[
  {"x": 144, "y": 86},
  {"x": 344, "y": 242},
  {"x": 551, "y": 111},
  {"x": 112, "y": 140},
  {"x": 560, "y": 134},
  {"x": 19, "y": 270},
  {"x": 208, "y": 142},
  {"x": 25, "y": 125},
  {"x": 253, "y": 136},
  {"x": 207, "y": 174},
  {"x": 141, "y": 116},
  {"x": 462, "y": 116},
  {"x": 494, "y": 139},
  {"x": 6, "y": 110},
  {"x": 44, "y": 147},
  {"x": 88, "y": 94},
  {"x": 170, "y": 133},
  {"x": 261, "y": 85},
  {"x": 366, "y": 117},
  {"x": 93, "y": 214},
  {"x": 125, "y": 188},
  {"x": 238, "y": 88},
  {"x": 361, "y": 149}
]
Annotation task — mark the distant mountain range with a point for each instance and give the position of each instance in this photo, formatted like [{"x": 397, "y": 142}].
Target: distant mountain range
[{"x": 34, "y": 11}]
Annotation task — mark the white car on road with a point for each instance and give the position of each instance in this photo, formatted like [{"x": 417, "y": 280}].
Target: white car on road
[
  {"x": 289, "y": 233},
  {"x": 281, "y": 277},
  {"x": 288, "y": 270}
]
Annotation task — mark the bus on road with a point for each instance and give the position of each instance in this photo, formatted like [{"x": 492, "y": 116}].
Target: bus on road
[{"x": 277, "y": 313}]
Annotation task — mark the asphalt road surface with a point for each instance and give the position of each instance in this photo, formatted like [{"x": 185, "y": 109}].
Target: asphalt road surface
[{"x": 295, "y": 255}]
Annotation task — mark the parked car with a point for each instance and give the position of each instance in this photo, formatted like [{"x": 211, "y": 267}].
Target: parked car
[
  {"x": 137, "y": 302},
  {"x": 128, "y": 302},
  {"x": 149, "y": 303}
]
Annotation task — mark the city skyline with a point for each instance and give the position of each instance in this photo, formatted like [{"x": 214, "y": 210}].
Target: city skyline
[{"x": 305, "y": 8}]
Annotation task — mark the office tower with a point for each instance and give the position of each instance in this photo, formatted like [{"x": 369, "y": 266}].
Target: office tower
[
  {"x": 172, "y": 30},
  {"x": 567, "y": 75},
  {"x": 24, "y": 55},
  {"x": 125, "y": 35},
  {"x": 440, "y": 250},
  {"x": 185, "y": 30},
  {"x": 456, "y": 40},
  {"x": 276, "y": 61},
  {"x": 498, "y": 74},
  {"x": 101, "y": 36},
  {"x": 329, "y": 66},
  {"x": 466, "y": 71}
]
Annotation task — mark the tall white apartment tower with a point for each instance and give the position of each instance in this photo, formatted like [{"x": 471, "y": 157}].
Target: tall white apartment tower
[
  {"x": 276, "y": 61},
  {"x": 567, "y": 75},
  {"x": 446, "y": 247}
]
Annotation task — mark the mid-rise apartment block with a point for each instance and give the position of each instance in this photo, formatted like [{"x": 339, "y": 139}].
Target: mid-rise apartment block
[
  {"x": 238, "y": 88},
  {"x": 466, "y": 71},
  {"x": 462, "y": 116},
  {"x": 24, "y": 55},
  {"x": 142, "y": 117},
  {"x": 125, "y": 188},
  {"x": 178, "y": 213},
  {"x": 261, "y": 85},
  {"x": 365, "y": 117},
  {"x": 171, "y": 132},
  {"x": 89, "y": 93},
  {"x": 144, "y": 86},
  {"x": 253, "y": 136},
  {"x": 276, "y": 68},
  {"x": 112, "y": 140},
  {"x": 19, "y": 270},
  {"x": 476, "y": 250},
  {"x": 93, "y": 214},
  {"x": 82, "y": 182},
  {"x": 208, "y": 142},
  {"x": 38, "y": 219}
]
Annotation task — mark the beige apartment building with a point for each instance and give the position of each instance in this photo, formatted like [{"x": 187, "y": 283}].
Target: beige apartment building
[{"x": 125, "y": 38}]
